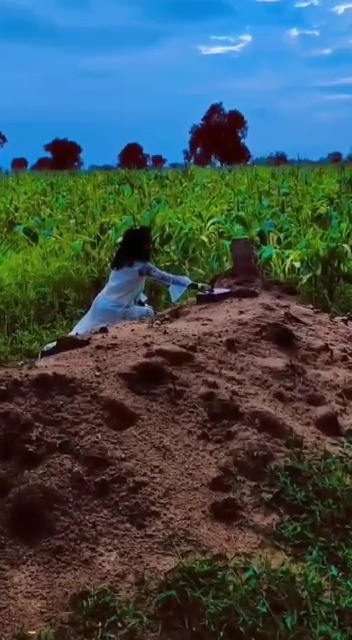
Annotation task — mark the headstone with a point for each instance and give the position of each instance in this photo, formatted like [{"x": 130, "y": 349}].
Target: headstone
[{"x": 244, "y": 259}]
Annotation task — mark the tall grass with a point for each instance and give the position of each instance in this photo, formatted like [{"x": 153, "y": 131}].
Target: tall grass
[{"x": 59, "y": 232}]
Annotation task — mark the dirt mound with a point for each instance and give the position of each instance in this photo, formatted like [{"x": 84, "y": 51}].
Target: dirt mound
[{"x": 149, "y": 442}]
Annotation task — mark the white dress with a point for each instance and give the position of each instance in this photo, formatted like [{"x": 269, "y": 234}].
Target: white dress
[{"x": 118, "y": 301}]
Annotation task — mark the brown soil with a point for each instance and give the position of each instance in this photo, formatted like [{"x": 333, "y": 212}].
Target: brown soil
[{"x": 152, "y": 441}]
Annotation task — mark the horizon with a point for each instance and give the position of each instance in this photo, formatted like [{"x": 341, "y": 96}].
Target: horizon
[{"x": 108, "y": 73}]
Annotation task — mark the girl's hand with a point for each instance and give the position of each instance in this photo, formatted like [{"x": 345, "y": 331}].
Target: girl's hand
[{"x": 204, "y": 288}]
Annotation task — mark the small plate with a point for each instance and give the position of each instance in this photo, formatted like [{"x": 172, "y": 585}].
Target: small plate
[
  {"x": 219, "y": 291},
  {"x": 216, "y": 295}
]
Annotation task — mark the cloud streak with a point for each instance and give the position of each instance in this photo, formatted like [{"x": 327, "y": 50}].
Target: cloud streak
[
  {"x": 304, "y": 4},
  {"x": 342, "y": 8},
  {"x": 241, "y": 43},
  {"x": 296, "y": 33}
]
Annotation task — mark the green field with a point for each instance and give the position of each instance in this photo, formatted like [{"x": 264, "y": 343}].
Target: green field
[{"x": 59, "y": 232}]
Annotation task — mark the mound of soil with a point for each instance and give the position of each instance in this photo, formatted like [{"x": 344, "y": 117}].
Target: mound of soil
[{"x": 151, "y": 443}]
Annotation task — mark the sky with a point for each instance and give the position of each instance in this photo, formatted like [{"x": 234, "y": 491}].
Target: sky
[{"x": 109, "y": 72}]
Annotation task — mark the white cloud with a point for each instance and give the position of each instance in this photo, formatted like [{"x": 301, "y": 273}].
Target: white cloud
[
  {"x": 341, "y": 8},
  {"x": 295, "y": 33},
  {"x": 242, "y": 42},
  {"x": 303, "y": 4},
  {"x": 223, "y": 38}
]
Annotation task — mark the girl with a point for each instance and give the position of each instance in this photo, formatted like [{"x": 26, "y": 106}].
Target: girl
[{"x": 122, "y": 297}]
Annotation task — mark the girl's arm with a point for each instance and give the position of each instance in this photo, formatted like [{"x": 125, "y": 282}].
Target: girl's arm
[
  {"x": 177, "y": 284},
  {"x": 168, "y": 279}
]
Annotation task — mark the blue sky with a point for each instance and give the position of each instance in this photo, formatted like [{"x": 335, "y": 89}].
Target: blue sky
[{"x": 108, "y": 72}]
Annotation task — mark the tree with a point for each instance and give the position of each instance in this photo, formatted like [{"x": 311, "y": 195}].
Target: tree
[
  {"x": 158, "y": 162},
  {"x": 19, "y": 164},
  {"x": 3, "y": 140},
  {"x": 277, "y": 159},
  {"x": 219, "y": 137},
  {"x": 132, "y": 156},
  {"x": 43, "y": 164},
  {"x": 335, "y": 157},
  {"x": 65, "y": 154}
]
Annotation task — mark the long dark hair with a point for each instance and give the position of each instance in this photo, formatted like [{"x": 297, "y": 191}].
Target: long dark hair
[{"x": 136, "y": 246}]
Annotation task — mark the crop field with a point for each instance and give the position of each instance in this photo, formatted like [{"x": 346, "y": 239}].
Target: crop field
[{"x": 59, "y": 233}]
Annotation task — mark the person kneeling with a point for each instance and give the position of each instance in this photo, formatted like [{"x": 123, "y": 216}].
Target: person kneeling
[{"x": 122, "y": 298}]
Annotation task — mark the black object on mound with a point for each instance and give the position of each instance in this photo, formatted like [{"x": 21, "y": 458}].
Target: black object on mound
[
  {"x": 66, "y": 343},
  {"x": 216, "y": 295}
]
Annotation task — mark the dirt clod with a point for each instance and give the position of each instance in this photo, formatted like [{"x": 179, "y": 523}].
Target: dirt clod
[
  {"x": 220, "y": 483},
  {"x": 254, "y": 463},
  {"x": 226, "y": 510},
  {"x": 5, "y": 393},
  {"x": 329, "y": 424},
  {"x": 5, "y": 484},
  {"x": 146, "y": 376},
  {"x": 221, "y": 409},
  {"x": 30, "y": 512},
  {"x": 45, "y": 384},
  {"x": 175, "y": 356},
  {"x": 230, "y": 344},
  {"x": 269, "y": 423},
  {"x": 119, "y": 416},
  {"x": 315, "y": 399},
  {"x": 281, "y": 335}
]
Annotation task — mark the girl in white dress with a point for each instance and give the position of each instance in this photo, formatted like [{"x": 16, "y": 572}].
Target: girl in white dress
[{"x": 122, "y": 298}]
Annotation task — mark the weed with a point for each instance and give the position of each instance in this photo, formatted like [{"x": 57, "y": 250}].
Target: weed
[
  {"x": 215, "y": 599},
  {"x": 314, "y": 494},
  {"x": 98, "y": 613}
]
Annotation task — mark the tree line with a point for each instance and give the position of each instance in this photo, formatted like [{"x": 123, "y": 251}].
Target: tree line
[{"x": 218, "y": 140}]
